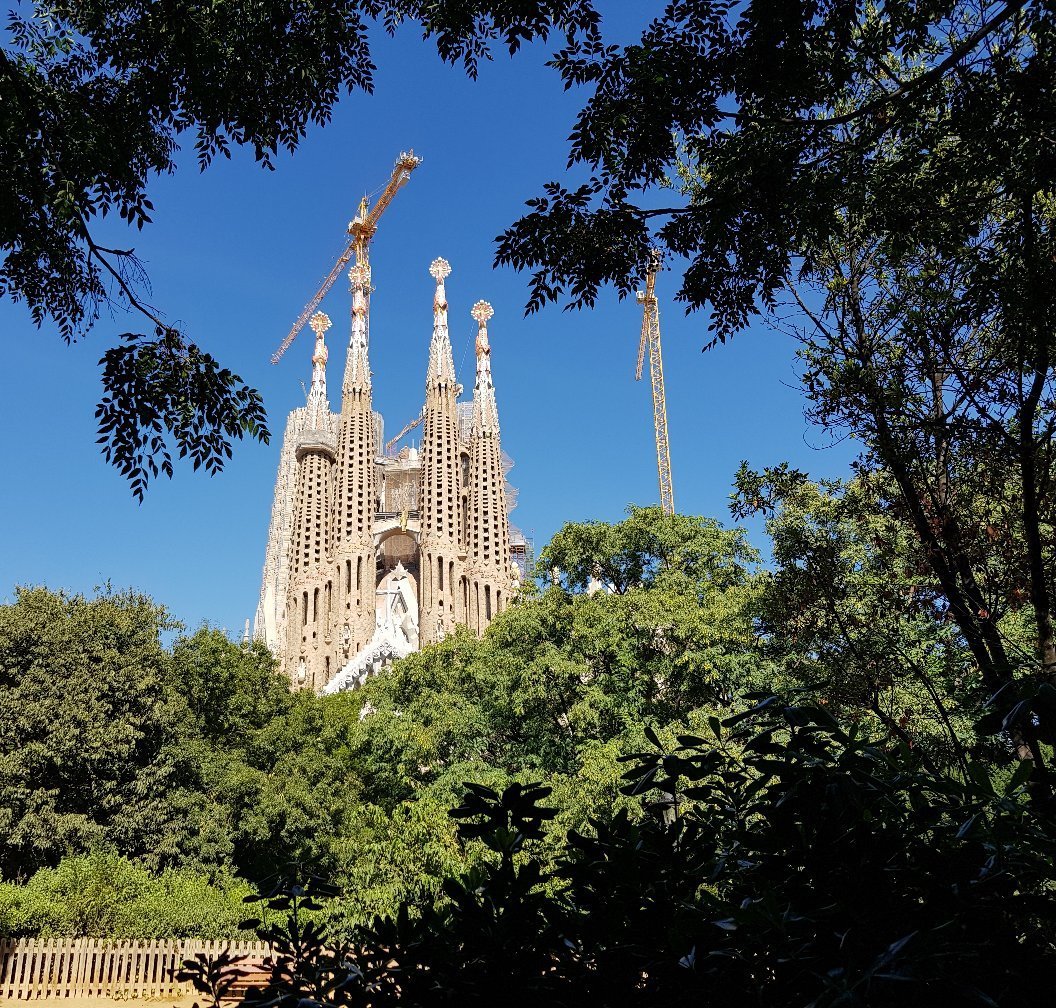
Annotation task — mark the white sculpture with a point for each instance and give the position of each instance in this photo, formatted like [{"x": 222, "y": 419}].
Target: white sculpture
[{"x": 395, "y": 632}]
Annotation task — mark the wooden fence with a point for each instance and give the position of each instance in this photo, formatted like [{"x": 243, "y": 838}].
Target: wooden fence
[{"x": 36, "y": 968}]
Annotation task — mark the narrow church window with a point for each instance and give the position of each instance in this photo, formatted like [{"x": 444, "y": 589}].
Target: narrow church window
[
  {"x": 315, "y": 605},
  {"x": 304, "y": 610},
  {"x": 487, "y": 602},
  {"x": 440, "y": 568}
]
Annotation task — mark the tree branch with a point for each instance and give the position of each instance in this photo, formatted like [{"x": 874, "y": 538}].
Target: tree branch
[{"x": 100, "y": 253}]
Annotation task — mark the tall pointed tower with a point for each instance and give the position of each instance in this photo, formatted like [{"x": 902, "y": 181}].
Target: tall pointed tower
[
  {"x": 441, "y": 556},
  {"x": 309, "y": 597},
  {"x": 353, "y": 515},
  {"x": 488, "y": 566},
  {"x": 374, "y": 550}
]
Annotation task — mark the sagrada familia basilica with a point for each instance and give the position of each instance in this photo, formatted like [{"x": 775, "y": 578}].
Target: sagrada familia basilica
[{"x": 372, "y": 554}]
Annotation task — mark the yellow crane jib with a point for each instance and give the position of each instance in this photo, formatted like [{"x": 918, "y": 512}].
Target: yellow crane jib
[
  {"x": 362, "y": 229},
  {"x": 651, "y": 340}
]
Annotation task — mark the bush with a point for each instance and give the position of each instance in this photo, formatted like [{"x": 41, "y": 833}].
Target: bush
[{"x": 102, "y": 895}]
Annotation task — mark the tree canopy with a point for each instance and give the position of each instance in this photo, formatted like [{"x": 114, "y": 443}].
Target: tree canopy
[
  {"x": 734, "y": 135},
  {"x": 786, "y": 779}
]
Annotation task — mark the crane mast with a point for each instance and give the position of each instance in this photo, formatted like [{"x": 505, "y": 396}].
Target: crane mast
[
  {"x": 362, "y": 230},
  {"x": 651, "y": 340},
  {"x": 392, "y": 442}
]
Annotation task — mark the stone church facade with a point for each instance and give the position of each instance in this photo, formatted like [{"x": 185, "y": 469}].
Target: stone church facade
[{"x": 372, "y": 554}]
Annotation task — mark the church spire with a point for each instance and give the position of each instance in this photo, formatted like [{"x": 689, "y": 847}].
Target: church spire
[
  {"x": 485, "y": 412},
  {"x": 318, "y": 404},
  {"x": 357, "y": 366},
  {"x": 488, "y": 565},
  {"x": 439, "y": 494},
  {"x": 353, "y": 554},
  {"x": 441, "y": 360}
]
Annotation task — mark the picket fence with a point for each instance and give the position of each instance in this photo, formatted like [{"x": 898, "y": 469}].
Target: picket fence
[{"x": 62, "y": 968}]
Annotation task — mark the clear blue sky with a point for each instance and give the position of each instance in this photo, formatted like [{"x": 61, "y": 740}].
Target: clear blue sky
[{"x": 235, "y": 252}]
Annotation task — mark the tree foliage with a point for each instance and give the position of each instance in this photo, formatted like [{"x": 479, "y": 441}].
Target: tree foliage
[
  {"x": 792, "y": 859},
  {"x": 562, "y": 682},
  {"x": 777, "y": 118},
  {"x": 865, "y": 838},
  {"x": 851, "y": 610},
  {"x": 90, "y": 735}
]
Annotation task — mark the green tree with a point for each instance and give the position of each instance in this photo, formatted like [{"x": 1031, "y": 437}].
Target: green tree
[
  {"x": 90, "y": 736},
  {"x": 952, "y": 400},
  {"x": 560, "y": 684},
  {"x": 849, "y": 608},
  {"x": 877, "y": 169},
  {"x": 231, "y": 690},
  {"x": 287, "y": 789}
]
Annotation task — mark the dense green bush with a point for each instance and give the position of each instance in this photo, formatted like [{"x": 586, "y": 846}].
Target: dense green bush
[{"x": 102, "y": 895}]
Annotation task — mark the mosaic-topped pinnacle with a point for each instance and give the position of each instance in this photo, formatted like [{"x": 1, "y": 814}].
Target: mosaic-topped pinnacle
[
  {"x": 320, "y": 322},
  {"x": 440, "y": 270},
  {"x": 482, "y": 311},
  {"x": 359, "y": 275}
]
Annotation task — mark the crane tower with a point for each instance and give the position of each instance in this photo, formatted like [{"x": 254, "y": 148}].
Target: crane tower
[
  {"x": 651, "y": 340},
  {"x": 361, "y": 229}
]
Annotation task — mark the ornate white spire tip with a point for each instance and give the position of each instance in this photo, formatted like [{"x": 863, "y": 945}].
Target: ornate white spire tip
[
  {"x": 482, "y": 311},
  {"x": 320, "y": 322},
  {"x": 359, "y": 275},
  {"x": 440, "y": 269}
]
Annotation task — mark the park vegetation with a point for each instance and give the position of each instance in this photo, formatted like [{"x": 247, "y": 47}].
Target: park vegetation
[
  {"x": 666, "y": 772},
  {"x": 669, "y": 774}
]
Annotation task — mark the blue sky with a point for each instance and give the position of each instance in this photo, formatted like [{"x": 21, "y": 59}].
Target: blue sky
[{"x": 235, "y": 252}]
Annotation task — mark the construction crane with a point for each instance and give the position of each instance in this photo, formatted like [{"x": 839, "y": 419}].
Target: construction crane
[
  {"x": 361, "y": 229},
  {"x": 392, "y": 442},
  {"x": 651, "y": 337}
]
